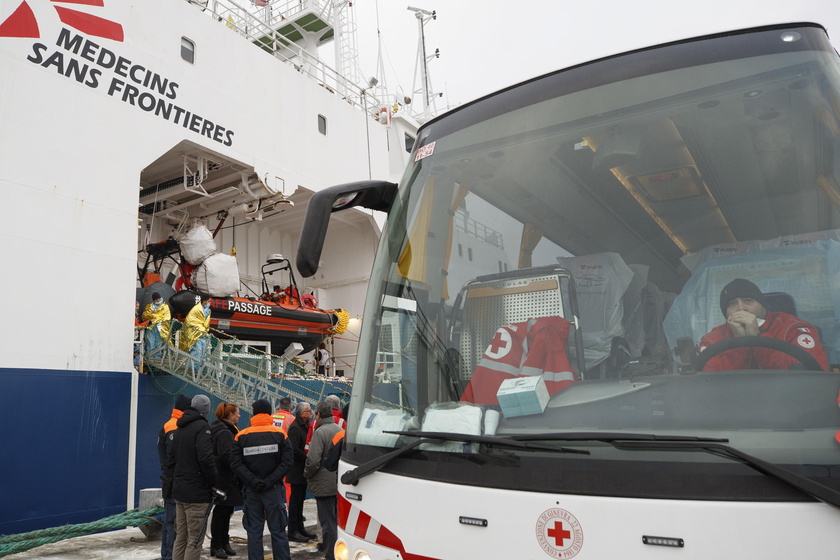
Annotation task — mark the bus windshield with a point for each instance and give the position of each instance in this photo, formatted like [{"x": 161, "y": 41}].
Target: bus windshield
[{"x": 643, "y": 245}]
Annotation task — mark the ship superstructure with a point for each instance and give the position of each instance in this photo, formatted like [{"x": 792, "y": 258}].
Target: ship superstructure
[{"x": 123, "y": 125}]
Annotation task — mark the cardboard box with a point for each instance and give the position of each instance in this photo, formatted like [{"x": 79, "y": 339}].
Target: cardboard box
[{"x": 521, "y": 396}]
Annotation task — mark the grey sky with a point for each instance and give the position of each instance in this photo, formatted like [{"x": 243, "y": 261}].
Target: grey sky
[{"x": 486, "y": 45}]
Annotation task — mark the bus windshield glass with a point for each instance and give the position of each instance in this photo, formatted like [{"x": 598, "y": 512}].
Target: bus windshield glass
[{"x": 648, "y": 244}]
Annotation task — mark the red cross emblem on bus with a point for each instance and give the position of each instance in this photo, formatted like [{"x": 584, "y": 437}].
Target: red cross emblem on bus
[{"x": 559, "y": 534}]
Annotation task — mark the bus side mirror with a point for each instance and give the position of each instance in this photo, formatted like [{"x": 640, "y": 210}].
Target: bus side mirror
[{"x": 376, "y": 195}]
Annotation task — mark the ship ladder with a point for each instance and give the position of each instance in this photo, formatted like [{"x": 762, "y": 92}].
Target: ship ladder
[{"x": 233, "y": 371}]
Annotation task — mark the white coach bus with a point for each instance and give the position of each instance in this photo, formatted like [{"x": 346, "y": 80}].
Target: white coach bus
[{"x": 551, "y": 262}]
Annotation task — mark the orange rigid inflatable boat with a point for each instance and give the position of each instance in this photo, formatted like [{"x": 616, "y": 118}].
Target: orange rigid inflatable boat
[{"x": 280, "y": 317}]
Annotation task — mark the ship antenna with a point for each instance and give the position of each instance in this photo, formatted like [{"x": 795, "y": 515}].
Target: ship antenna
[
  {"x": 423, "y": 17},
  {"x": 380, "y": 63}
]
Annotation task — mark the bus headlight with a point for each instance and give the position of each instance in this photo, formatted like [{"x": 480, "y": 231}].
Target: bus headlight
[{"x": 361, "y": 555}]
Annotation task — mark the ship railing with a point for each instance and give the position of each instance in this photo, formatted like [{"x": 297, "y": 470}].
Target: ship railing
[
  {"x": 228, "y": 368},
  {"x": 260, "y": 24},
  {"x": 478, "y": 230}
]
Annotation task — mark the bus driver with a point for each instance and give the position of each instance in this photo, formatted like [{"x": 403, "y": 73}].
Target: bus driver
[{"x": 743, "y": 305}]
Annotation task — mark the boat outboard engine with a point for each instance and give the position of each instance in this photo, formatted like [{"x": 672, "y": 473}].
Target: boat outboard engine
[{"x": 182, "y": 302}]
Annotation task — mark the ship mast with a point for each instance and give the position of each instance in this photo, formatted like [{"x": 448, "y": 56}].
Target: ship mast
[{"x": 421, "y": 66}]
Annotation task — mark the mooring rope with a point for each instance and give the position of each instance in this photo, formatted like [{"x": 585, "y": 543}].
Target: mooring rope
[{"x": 12, "y": 544}]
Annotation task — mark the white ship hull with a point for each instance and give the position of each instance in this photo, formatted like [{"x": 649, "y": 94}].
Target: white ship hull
[{"x": 96, "y": 105}]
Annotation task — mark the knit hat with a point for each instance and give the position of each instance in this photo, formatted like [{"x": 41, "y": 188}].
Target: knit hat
[
  {"x": 155, "y": 295},
  {"x": 183, "y": 402},
  {"x": 740, "y": 288},
  {"x": 261, "y": 406},
  {"x": 202, "y": 404}
]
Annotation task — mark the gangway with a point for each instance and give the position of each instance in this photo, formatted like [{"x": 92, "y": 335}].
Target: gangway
[{"x": 237, "y": 373}]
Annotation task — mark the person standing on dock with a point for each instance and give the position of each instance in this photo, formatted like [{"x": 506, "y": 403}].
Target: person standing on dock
[
  {"x": 164, "y": 444},
  {"x": 323, "y": 483},
  {"x": 193, "y": 466},
  {"x": 297, "y": 438},
  {"x": 261, "y": 456},
  {"x": 283, "y": 418},
  {"x": 158, "y": 314},
  {"x": 222, "y": 433}
]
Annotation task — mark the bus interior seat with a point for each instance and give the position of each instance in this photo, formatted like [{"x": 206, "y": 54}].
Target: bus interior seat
[
  {"x": 492, "y": 301},
  {"x": 780, "y": 301},
  {"x": 784, "y": 302},
  {"x": 633, "y": 312},
  {"x": 615, "y": 362},
  {"x": 655, "y": 306},
  {"x": 601, "y": 280}
]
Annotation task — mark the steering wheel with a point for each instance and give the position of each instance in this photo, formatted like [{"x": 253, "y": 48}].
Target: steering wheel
[{"x": 791, "y": 350}]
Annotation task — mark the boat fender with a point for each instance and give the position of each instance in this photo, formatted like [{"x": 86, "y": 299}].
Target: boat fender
[{"x": 343, "y": 319}]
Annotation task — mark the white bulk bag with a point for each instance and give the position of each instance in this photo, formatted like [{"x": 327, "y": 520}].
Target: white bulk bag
[
  {"x": 218, "y": 275},
  {"x": 197, "y": 244}
]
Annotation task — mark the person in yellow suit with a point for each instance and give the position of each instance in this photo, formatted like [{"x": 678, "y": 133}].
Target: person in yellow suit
[
  {"x": 196, "y": 325},
  {"x": 158, "y": 315}
]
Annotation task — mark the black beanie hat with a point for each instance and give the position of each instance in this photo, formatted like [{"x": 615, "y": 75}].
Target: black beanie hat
[
  {"x": 261, "y": 406},
  {"x": 156, "y": 295},
  {"x": 740, "y": 288},
  {"x": 183, "y": 402}
]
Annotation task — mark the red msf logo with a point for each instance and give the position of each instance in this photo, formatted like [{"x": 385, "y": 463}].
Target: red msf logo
[{"x": 22, "y": 22}]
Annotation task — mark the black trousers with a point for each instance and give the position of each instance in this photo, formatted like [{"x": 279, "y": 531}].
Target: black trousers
[
  {"x": 220, "y": 526},
  {"x": 296, "y": 507}
]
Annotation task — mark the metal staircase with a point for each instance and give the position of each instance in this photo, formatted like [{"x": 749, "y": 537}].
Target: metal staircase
[{"x": 236, "y": 373}]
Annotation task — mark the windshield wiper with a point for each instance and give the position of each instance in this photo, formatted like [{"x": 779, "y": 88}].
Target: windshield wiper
[
  {"x": 714, "y": 446},
  {"x": 611, "y": 437},
  {"x": 352, "y": 476}
]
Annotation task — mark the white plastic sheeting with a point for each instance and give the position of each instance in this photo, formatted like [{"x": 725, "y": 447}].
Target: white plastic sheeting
[
  {"x": 723, "y": 250},
  {"x": 455, "y": 418},
  {"x": 601, "y": 280},
  {"x": 376, "y": 421}
]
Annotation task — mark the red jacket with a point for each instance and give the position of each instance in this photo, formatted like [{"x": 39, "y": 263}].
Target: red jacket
[
  {"x": 782, "y": 326},
  {"x": 533, "y": 347}
]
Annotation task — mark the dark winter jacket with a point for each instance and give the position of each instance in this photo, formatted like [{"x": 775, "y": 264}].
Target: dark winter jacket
[
  {"x": 297, "y": 438},
  {"x": 261, "y": 452},
  {"x": 164, "y": 443},
  {"x": 222, "y": 434},
  {"x": 191, "y": 459}
]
